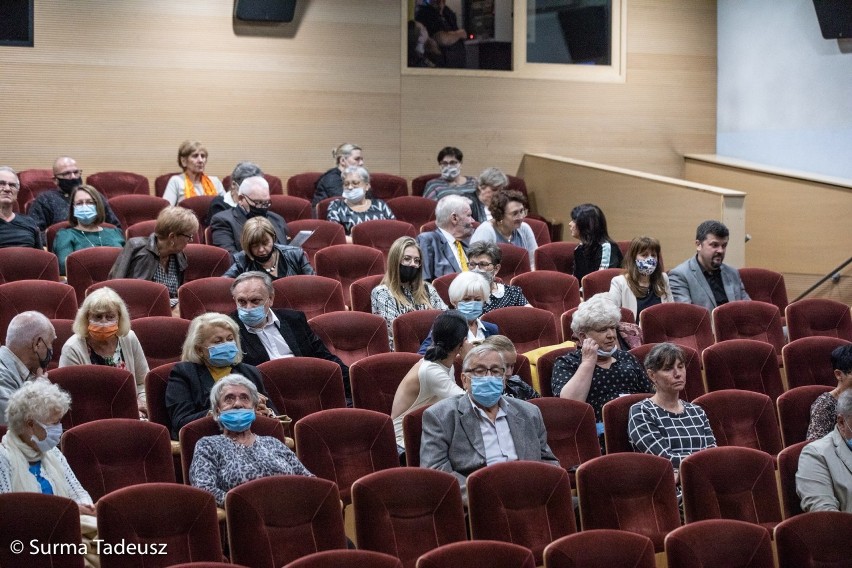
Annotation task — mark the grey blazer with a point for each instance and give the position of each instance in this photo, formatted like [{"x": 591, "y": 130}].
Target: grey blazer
[
  {"x": 438, "y": 257},
  {"x": 690, "y": 286},
  {"x": 824, "y": 477},
  {"x": 452, "y": 440}
]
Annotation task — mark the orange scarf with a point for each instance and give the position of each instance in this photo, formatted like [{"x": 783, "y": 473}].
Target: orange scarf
[{"x": 206, "y": 183}]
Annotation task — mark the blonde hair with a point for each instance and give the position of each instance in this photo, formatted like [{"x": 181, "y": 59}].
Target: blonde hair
[
  {"x": 392, "y": 278},
  {"x": 199, "y": 330},
  {"x": 177, "y": 220},
  {"x": 101, "y": 300},
  {"x": 255, "y": 232},
  {"x": 187, "y": 148}
]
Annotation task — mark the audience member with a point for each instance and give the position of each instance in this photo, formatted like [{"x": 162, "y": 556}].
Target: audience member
[
  {"x": 485, "y": 259},
  {"x": 515, "y": 385},
  {"x": 490, "y": 181},
  {"x": 102, "y": 336},
  {"x": 599, "y": 371},
  {"x": 192, "y": 158},
  {"x": 159, "y": 257},
  {"x": 260, "y": 252},
  {"x": 15, "y": 230},
  {"x": 433, "y": 378},
  {"x": 508, "y": 209},
  {"x": 237, "y": 455},
  {"x": 52, "y": 206},
  {"x": 331, "y": 182},
  {"x": 824, "y": 408},
  {"x": 229, "y": 199},
  {"x": 268, "y": 333},
  {"x": 664, "y": 425},
  {"x": 211, "y": 351},
  {"x": 253, "y": 201},
  {"x": 824, "y": 477},
  {"x": 643, "y": 283},
  {"x": 596, "y": 250},
  {"x": 402, "y": 289},
  {"x": 480, "y": 428},
  {"x": 445, "y": 249},
  {"x": 28, "y": 351},
  {"x": 451, "y": 181},
  {"x": 441, "y": 23},
  {"x": 356, "y": 207},
  {"x": 704, "y": 280},
  {"x": 468, "y": 292},
  {"x": 86, "y": 216}
]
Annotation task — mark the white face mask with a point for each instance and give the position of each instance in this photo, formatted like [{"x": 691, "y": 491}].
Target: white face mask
[
  {"x": 355, "y": 195},
  {"x": 51, "y": 440}
]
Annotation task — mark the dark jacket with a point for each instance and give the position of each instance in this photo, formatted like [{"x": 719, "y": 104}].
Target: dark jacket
[
  {"x": 330, "y": 184},
  {"x": 140, "y": 258},
  {"x": 188, "y": 392},
  {"x": 299, "y": 336},
  {"x": 227, "y": 227},
  {"x": 293, "y": 261}
]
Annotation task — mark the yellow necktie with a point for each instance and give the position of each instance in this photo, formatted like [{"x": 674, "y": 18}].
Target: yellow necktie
[{"x": 462, "y": 257}]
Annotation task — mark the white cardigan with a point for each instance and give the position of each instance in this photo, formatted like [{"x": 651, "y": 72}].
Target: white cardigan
[
  {"x": 622, "y": 295},
  {"x": 76, "y": 352}
]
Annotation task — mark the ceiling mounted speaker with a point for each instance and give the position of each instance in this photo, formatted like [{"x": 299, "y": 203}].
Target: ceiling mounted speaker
[{"x": 265, "y": 10}]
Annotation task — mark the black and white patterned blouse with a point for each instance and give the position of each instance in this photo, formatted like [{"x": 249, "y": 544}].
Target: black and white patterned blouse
[
  {"x": 505, "y": 296},
  {"x": 339, "y": 212},
  {"x": 385, "y": 305},
  {"x": 823, "y": 417},
  {"x": 220, "y": 464},
  {"x": 169, "y": 278},
  {"x": 624, "y": 376},
  {"x": 655, "y": 430}
]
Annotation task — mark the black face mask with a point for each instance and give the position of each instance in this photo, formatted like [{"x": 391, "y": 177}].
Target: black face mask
[
  {"x": 68, "y": 185},
  {"x": 264, "y": 258},
  {"x": 408, "y": 274},
  {"x": 256, "y": 212},
  {"x": 48, "y": 356}
]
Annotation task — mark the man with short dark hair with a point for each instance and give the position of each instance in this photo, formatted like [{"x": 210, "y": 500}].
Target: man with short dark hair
[{"x": 704, "y": 280}]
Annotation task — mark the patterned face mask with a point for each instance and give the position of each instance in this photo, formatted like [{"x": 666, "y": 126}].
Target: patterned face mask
[{"x": 646, "y": 267}]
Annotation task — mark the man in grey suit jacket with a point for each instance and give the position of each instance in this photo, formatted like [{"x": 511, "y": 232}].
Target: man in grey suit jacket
[
  {"x": 704, "y": 280},
  {"x": 479, "y": 428},
  {"x": 824, "y": 477},
  {"x": 439, "y": 250}
]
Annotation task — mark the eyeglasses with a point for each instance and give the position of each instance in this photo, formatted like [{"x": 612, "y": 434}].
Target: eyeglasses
[
  {"x": 480, "y": 372},
  {"x": 260, "y": 204},
  {"x": 69, "y": 174},
  {"x": 449, "y": 163},
  {"x": 9, "y": 184},
  {"x": 187, "y": 237},
  {"x": 86, "y": 202},
  {"x": 478, "y": 265},
  {"x": 519, "y": 213},
  {"x": 411, "y": 260}
]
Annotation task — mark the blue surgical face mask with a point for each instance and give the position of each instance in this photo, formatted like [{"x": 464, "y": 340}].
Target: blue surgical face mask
[
  {"x": 605, "y": 353},
  {"x": 646, "y": 267},
  {"x": 222, "y": 354},
  {"x": 51, "y": 440},
  {"x": 849, "y": 443},
  {"x": 252, "y": 317},
  {"x": 470, "y": 310},
  {"x": 486, "y": 390},
  {"x": 237, "y": 419},
  {"x": 85, "y": 213}
]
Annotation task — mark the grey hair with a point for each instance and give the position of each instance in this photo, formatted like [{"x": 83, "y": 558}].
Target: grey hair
[
  {"x": 360, "y": 171},
  {"x": 491, "y": 250},
  {"x": 251, "y": 182},
  {"x": 197, "y": 334},
  {"x": 343, "y": 151},
  {"x": 595, "y": 313},
  {"x": 10, "y": 170},
  {"x": 36, "y": 399},
  {"x": 467, "y": 282},
  {"x": 267, "y": 281},
  {"x": 493, "y": 178},
  {"x": 25, "y": 327},
  {"x": 245, "y": 170},
  {"x": 234, "y": 380},
  {"x": 844, "y": 406},
  {"x": 447, "y": 206},
  {"x": 479, "y": 351}
]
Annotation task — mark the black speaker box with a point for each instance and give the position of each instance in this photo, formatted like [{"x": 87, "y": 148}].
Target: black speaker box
[
  {"x": 835, "y": 18},
  {"x": 265, "y": 10}
]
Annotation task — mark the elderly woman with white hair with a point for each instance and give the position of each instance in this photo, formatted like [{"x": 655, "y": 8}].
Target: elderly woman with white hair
[
  {"x": 357, "y": 206},
  {"x": 211, "y": 351},
  {"x": 237, "y": 455},
  {"x": 330, "y": 184},
  {"x": 598, "y": 371},
  {"x": 468, "y": 293},
  {"x": 102, "y": 336}
]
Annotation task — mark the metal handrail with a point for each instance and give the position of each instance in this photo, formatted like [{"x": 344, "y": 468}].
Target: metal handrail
[{"x": 822, "y": 280}]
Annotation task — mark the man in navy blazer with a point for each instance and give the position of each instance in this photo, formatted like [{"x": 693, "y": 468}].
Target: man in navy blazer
[
  {"x": 704, "y": 280},
  {"x": 481, "y": 427},
  {"x": 438, "y": 248},
  {"x": 267, "y": 333}
]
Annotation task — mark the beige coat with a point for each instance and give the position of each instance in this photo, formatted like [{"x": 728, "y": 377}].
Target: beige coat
[{"x": 76, "y": 352}]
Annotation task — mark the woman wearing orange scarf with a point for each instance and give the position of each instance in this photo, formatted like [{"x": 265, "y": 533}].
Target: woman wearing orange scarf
[{"x": 192, "y": 157}]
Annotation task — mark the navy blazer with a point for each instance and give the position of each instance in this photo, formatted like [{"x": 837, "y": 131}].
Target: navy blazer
[
  {"x": 188, "y": 391},
  {"x": 438, "y": 257},
  {"x": 226, "y": 228},
  {"x": 294, "y": 328}
]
